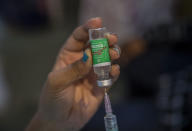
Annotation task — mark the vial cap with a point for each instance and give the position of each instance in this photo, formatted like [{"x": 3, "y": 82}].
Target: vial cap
[
  {"x": 97, "y": 33},
  {"x": 104, "y": 83}
]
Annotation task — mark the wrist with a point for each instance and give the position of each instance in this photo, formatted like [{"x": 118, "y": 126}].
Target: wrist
[{"x": 40, "y": 123}]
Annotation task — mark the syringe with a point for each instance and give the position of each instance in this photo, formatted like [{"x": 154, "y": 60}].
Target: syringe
[{"x": 110, "y": 118}]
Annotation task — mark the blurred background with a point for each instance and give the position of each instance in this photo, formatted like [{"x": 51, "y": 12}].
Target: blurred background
[{"x": 154, "y": 91}]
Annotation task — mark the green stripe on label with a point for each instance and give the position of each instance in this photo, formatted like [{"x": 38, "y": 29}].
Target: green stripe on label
[{"x": 100, "y": 51}]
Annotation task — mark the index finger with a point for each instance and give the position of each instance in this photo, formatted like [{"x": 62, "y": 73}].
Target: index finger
[{"x": 80, "y": 36}]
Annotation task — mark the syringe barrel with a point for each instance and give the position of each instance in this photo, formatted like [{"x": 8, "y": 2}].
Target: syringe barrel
[{"x": 111, "y": 122}]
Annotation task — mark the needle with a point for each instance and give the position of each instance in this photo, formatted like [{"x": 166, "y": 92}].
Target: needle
[{"x": 110, "y": 118}]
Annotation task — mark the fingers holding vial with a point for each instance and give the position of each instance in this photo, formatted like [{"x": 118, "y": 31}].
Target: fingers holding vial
[
  {"x": 114, "y": 49},
  {"x": 115, "y": 72}
]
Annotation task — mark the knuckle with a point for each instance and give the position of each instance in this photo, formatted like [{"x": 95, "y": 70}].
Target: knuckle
[
  {"x": 78, "y": 70},
  {"x": 50, "y": 78},
  {"x": 115, "y": 70},
  {"x": 80, "y": 34},
  {"x": 117, "y": 49},
  {"x": 114, "y": 54}
]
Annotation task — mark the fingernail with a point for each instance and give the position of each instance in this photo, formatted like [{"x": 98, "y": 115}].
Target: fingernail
[
  {"x": 115, "y": 34},
  {"x": 118, "y": 67},
  {"x": 110, "y": 33},
  {"x": 95, "y": 18},
  {"x": 117, "y": 49},
  {"x": 107, "y": 34},
  {"x": 85, "y": 57}
]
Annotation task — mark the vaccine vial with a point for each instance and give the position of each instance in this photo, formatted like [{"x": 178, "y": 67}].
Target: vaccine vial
[{"x": 101, "y": 58}]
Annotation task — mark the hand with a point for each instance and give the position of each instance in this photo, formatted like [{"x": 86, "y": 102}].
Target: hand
[{"x": 70, "y": 96}]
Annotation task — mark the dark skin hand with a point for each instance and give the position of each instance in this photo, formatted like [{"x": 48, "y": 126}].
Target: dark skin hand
[{"x": 70, "y": 96}]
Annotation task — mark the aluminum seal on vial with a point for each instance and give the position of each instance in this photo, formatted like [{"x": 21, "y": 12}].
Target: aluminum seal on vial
[{"x": 104, "y": 83}]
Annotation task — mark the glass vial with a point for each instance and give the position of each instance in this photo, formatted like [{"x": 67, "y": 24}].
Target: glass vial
[{"x": 101, "y": 58}]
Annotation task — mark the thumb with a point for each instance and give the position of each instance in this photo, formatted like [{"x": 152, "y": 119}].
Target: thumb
[{"x": 72, "y": 72}]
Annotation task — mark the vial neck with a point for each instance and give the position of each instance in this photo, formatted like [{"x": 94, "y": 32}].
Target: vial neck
[{"x": 103, "y": 76}]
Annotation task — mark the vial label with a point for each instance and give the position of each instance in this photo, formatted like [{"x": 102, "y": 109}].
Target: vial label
[{"x": 100, "y": 51}]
